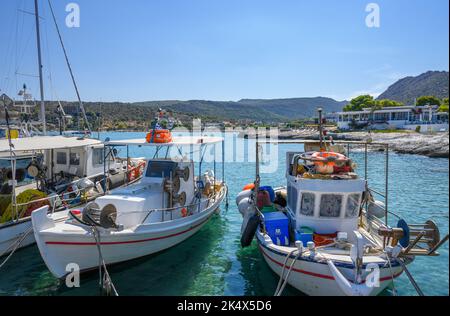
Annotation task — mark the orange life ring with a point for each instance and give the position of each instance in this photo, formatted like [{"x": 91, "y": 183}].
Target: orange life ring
[
  {"x": 184, "y": 212},
  {"x": 159, "y": 136},
  {"x": 135, "y": 172},
  {"x": 325, "y": 161},
  {"x": 324, "y": 156}
]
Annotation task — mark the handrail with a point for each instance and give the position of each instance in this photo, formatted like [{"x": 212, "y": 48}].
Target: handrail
[
  {"x": 172, "y": 209},
  {"x": 377, "y": 192}
]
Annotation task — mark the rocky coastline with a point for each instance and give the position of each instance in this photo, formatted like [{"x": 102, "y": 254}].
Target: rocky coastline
[{"x": 430, "y": 145}]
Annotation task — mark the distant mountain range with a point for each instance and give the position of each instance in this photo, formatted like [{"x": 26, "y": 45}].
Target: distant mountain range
[
  {"x": 275, "y": 110},
  {"x": 272, "y": 110},
  {"x": 429, "y": 83},
  {"x": 253, "y": 109}
]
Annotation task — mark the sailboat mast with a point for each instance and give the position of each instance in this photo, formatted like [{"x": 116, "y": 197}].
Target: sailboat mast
[{"x": 41, "y": 80}]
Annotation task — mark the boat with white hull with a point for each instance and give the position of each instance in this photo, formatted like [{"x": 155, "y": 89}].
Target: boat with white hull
[
  {"x": 63, "y": 172},
  {"x": 167, "y": 206},
  {"x": 324, "y": 233}
]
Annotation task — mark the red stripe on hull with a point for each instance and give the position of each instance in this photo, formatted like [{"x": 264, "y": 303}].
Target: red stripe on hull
[
  {"x": 317, "y": 275},
  {"x": 123, "y": 242}
]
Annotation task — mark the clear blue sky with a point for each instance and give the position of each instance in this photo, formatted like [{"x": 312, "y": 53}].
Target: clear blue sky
[{"x": 138, "y": 50}]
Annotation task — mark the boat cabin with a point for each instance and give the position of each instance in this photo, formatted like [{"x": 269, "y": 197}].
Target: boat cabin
[
  {"x": 59, "y": 157},
  {"x": 169, "y": 188},
  {"x": 328, "y": 202},
  {"x": 165, "y": 185}
]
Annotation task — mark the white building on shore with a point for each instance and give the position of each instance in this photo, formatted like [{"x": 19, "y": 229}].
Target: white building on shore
[{"x": 402, "y": 117}]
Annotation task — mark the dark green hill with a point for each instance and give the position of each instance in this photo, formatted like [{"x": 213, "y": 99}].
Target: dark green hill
[{"x": 430, "y": 83}]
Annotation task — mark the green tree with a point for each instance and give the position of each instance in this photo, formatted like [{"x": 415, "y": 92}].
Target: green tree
[
  {"x": 428, "y": 100},
  {"x": 387, "y": 103},
  {"x": 444, "y": 105},
  {"x": 358, "y": 103}
]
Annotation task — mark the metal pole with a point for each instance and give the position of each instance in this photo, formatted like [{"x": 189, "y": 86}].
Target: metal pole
[
  {"x": 320, "y": 129},
  {"x": 365, "y": 162},
  {"x": 223, "y": 160},
  {"x": 41, "y": 81},
  {"x": 387, "y": 183},
  {"x": 214, "y": 172},
  {"x": 410, "y": 277}
]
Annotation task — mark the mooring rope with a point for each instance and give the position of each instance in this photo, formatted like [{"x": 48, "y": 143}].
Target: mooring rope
[
  {"x": 394, "y": 290},
  {"x": 105, "y": 282},
  {"x": 15, "y": 245}
]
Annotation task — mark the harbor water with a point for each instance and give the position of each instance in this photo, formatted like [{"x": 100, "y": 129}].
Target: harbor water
[{"x": 212, "y": 262}]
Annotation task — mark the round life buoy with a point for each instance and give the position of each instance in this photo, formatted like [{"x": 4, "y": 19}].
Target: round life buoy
[
  {"x": 184, "y": 212},
  {"x": 325, "y": 161},
  {"x": 136, "y": 171},
  {"x": 159, "y": 136}
]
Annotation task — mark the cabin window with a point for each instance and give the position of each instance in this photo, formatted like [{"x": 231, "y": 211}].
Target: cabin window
[
  {"x": 61, "y": 158},
  {"x": 292, "y": 197},
  {"x": 330, "y": 205},
  {"x": 352, "y": 209},
  {"x": 97, "y": 156},
  {"x": 308, "y": 204},
  {"x": 74, "y": 159}
]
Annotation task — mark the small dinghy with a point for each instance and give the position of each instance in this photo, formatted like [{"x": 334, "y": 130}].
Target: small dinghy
[
  {"x": 324, "y": 233},
  {"x": 168, "y": 205}
]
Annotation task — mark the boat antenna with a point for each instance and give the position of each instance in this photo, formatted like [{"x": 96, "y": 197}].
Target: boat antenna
[
  {"x": 320, "y": 128},
  {"x": 80, "y": 103},
  {"x": 41, "y": 81}
]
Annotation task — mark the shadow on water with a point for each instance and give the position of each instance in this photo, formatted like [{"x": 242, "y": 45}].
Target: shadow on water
[
  {"x": 26, "y": 274},
  {"x": 170, "y": 272},
  {"x": 259, "y": 278}
]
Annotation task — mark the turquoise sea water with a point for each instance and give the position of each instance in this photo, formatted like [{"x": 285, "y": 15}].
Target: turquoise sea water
[{"x": 212, "y": 261}]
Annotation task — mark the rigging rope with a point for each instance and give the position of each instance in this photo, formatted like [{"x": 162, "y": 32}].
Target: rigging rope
[
  {"x": 15, "y": 245},
  {"x": 70, "y": 69}
]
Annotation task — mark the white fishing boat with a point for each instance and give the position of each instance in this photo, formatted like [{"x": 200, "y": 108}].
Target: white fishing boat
[
  {"x": 324, "y": 233},
  {"x": 61, "y": 172},
  {"x": 168, "y": 205}
]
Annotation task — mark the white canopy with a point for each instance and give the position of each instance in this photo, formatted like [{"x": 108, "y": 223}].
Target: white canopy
[
  {"x": 176, "y": 141},
  {"x": 37, "y": 143}
]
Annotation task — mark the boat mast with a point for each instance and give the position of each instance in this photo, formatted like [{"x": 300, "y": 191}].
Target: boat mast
[
  {"x": 41, "y": 81},
  {"x": 320, "y": 128}
]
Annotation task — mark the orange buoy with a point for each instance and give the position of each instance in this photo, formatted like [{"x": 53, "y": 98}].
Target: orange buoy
[
  {"x": 249, "y": 186},
  {"x": 184, "y": 212},
  {"x": 159, "y": 136}
]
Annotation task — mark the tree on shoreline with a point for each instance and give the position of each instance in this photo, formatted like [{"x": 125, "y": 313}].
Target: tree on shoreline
[{"x": 367, "y": 101}]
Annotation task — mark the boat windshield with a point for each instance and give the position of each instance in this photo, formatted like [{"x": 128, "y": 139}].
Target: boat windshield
[{"x": 160, "y": 169}]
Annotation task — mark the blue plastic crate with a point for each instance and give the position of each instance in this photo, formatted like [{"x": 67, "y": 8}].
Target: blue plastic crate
[
  {"x": 277, "y": 227},
  {"x": 304, "y": 234}
]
